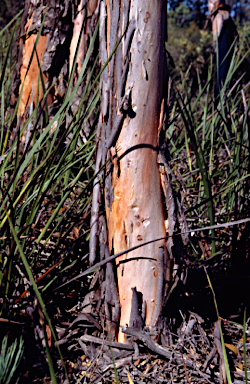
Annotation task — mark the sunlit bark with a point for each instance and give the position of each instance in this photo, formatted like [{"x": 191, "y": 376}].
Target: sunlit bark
[{"x": 132, "y": 97}]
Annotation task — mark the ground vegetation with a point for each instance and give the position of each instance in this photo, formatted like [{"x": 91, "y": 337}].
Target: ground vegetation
[{"x": 49, "y": 291}]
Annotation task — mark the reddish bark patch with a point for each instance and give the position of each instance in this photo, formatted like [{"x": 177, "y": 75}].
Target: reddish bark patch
[{"x": 31, "y": 81}]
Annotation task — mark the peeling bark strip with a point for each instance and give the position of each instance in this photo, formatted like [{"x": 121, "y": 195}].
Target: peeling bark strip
[
  {"x": 86, "y": 17},
  {"x": 85, "y": 9},
  {"x": 132, "y": 91},
  {"x": 33, "y": 82}
]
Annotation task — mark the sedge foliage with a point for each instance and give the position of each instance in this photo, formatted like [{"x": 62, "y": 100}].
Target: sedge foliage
[
  {"x": 45, "y": 187},
  {"x": 45, "y": 177},
  {"x": 209, "y": 145},
  {"x": 9, "y": 359}
]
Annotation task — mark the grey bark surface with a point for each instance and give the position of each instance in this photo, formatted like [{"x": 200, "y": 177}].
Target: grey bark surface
[{"x": 132, "y": 93}]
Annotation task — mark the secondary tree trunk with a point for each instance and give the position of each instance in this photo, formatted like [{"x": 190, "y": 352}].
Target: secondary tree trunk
[
  {"x": 224, "y": 33},
  {"x": 53, "y": 29},
  {"x": 52, "y": 51}
]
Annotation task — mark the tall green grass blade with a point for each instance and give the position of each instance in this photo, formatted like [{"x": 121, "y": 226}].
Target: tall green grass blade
[
  {"x": 51, "y": 368},
  {"x": 221, "y": 333},
  {"x": 244, "y": 346},
  {"x": 200, "y": 163},
  {"x": 10, "y": 23},
  {"x": 38, "y": 295},
  {"x": 10, "y": 359},
  {"x": 115, "y": 369}
]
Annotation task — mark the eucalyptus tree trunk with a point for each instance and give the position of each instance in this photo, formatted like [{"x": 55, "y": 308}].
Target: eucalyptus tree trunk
[
  {"x": 224, "y": 33},
  {"x": 132, "y": 91},
  {"x": 133, "y": 84}
]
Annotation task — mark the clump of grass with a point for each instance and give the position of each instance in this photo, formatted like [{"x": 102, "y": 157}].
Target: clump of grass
[
  {"x": 10, "y": 358},
  {"x": 225, "y": 359},
  {"x": 209, "y": 143},
  {"x": 45, "y": 187}
]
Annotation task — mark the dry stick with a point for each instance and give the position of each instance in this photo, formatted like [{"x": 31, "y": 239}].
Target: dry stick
[
  {"x": 94, "y": 221},
  {"x": 186, "y": 372},
  {"x": 155, "y": 347},
  {"x": 122, "y": 362},
  {"x": 99, "y": 340},
  {"x": 210, "y": 357},
  {"x": 177, "y": 356},
  {"x": 146, "y": 339},
  {"x": 111, "y": 293},
  {"x": 95, "y": 208},
  {"x": 113, "y": 257},
  {"x": 2, "y": 320}
]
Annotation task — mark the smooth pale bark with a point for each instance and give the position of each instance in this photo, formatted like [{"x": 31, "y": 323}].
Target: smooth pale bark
[
  {"x": 82, "y": 13},
  {"x": 135, "y": 212}
]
